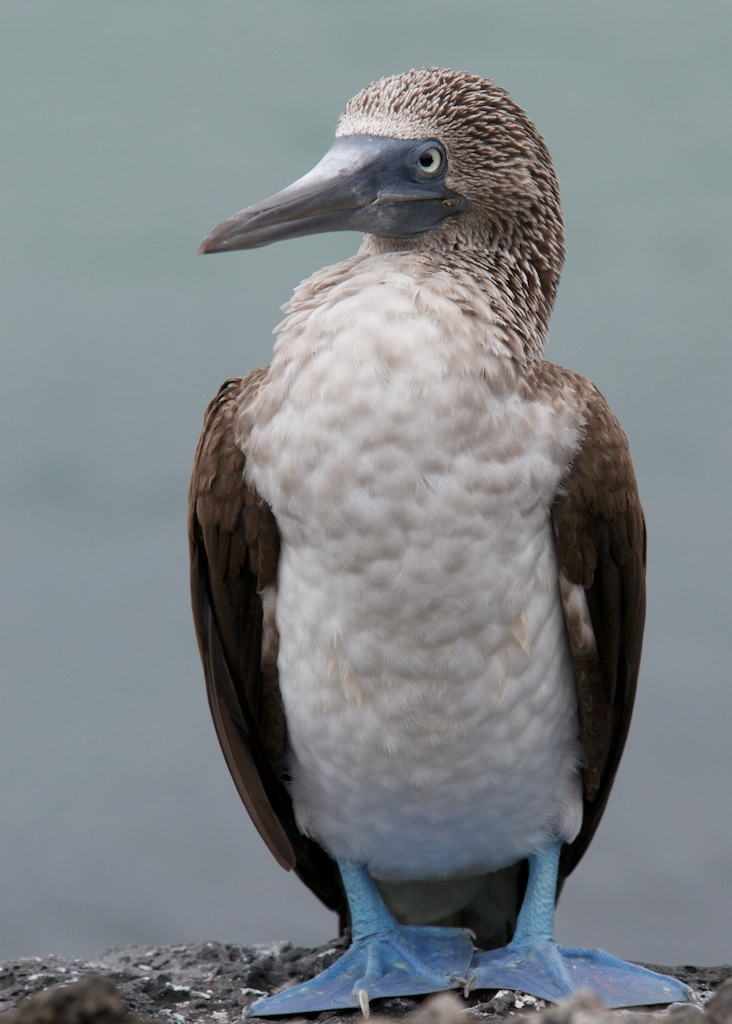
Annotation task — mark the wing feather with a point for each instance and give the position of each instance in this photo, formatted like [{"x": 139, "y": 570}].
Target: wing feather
[
  {"x": 600, "y": 538},
  {"x": 234, "y": 551}
]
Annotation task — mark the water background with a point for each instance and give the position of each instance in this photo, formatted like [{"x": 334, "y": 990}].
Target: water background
[{"x": 127, "y": 131}]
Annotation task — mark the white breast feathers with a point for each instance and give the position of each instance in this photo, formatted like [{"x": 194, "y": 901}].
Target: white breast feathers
[{"x": 423, "y": 656}]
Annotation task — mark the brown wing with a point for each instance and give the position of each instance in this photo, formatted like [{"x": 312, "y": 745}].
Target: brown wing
[
  {"x": 234, "y": 549},
  {"x": 601, "y": 553},
  {"x": 600, "y": 539}
]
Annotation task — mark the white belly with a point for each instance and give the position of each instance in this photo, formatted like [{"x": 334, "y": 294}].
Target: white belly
[{"x": 423, "y": 658}]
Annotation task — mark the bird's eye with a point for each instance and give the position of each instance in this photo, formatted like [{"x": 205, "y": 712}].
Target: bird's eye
[{"x": 431, "y": 161}]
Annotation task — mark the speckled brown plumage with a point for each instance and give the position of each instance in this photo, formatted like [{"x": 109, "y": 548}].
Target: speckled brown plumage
[{"x": 499, "y": 161}]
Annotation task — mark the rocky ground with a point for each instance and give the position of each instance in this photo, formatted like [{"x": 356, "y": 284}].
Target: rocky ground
[{"x": 215, "y": 983}]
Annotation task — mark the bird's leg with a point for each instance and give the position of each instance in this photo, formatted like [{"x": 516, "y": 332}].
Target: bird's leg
[
  {"x": 533, "y": 962},
  {"x": 384, "y": 959}
]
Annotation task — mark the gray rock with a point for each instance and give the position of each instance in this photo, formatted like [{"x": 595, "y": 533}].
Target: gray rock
[{"x": 215, "y": 983}]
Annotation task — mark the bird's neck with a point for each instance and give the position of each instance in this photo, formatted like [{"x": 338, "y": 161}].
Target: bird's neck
[
  {"x": 485, "y": 325},
  {"x": 515, "y": 279}
]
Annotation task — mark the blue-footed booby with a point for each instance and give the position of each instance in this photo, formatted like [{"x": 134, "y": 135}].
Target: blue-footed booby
[{"x": 418, "y": 561}]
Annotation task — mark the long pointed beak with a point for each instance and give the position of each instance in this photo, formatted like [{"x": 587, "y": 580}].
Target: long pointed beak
[{"x": 363, "y": 183}]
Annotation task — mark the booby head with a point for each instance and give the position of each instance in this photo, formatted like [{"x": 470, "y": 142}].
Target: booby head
[{"x": 434, "y": 160}]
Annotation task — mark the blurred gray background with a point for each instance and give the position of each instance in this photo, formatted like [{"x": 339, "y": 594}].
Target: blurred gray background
[{"x": 129, "y": 129}]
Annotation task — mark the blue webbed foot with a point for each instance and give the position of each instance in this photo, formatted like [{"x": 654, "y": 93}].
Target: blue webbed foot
[
  {"x": 404, "y": 960},
  {"x": 384, "y": 959},
  {"x": 534, "y": 963},
  {"x": 545, "y": 969}
]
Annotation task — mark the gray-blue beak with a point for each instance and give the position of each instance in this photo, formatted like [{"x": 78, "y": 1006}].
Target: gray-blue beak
[{"x": 389, "y": 187}]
